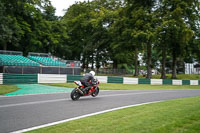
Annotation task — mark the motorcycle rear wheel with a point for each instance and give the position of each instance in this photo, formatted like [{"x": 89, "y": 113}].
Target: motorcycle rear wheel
[
  {"x": 96, "y": 92},
  {"x": 75, "y": 95}
]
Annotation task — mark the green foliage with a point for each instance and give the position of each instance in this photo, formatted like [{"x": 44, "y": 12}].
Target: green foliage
[
  {"x": 106, "y": 30},
  {"x": 31, "y": 26}
]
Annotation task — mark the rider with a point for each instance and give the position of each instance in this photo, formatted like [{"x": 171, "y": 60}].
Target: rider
[{"x": 85, "y": 81}]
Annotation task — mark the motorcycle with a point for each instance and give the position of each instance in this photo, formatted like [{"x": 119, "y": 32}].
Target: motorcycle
[{"x": 78, "y": 92}]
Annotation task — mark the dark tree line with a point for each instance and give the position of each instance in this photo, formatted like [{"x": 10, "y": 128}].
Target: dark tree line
[{"x": 106, "y": 30}]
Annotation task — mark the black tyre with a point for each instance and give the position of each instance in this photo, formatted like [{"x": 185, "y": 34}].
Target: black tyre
[
  {"x": 96, "y": 92},
  {"x": 75, "y": 95}
]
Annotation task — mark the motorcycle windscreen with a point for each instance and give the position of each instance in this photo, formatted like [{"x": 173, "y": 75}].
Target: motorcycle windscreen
[{"x": 78, "y": 83}]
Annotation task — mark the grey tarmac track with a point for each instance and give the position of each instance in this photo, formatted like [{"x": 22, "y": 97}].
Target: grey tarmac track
[{"x": 22, "y": 112}]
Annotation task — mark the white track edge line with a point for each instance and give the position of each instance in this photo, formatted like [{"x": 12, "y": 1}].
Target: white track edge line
[{"x": 83, "y": 116}]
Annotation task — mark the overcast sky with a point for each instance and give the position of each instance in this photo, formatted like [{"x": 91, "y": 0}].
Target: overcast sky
[{"x": 60, "y": 5}]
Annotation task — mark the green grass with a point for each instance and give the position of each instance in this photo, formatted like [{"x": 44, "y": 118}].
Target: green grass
[
  {"x": 113, "y": 86},
  {"x": 179, "y": 76},
  {"x": 188, "y": 76},
  {"x": 173, "y": 116},
  {"x": 4, "y": 89}
]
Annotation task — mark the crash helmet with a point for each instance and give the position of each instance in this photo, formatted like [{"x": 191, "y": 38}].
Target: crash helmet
[{"x": 92, "y": 72}]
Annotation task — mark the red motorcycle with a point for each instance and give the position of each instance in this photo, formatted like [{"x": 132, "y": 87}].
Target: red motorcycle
[{"x": 78, "y": 92}]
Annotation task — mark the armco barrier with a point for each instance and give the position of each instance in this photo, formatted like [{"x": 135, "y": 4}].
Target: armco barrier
[
  {"x": 102, "y": 79},
  {"x": 115, "y": 80},
  {"x": 167, "y": 82},
  {"x": 144, "y": 81},
  {"x": 19, "y": 78},
  {"x": 194, "y": 82},
  {"x": 52, "y": 78},
  {"x": 72, "y": 78},
  {"x": 185, "y": 82},
  {"x": 62, "y": 78},
  {"x": 177, "y": 82},
  {"x": 130, "y": 80},
  {"x": 156, "y": 81},
  {"x": 1, "y": 78}
]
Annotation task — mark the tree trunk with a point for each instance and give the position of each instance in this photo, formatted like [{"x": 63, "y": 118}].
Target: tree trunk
[
  {"x": 163, "y": 72},
  {"x": 136, "y": 62},
  {"x": 174, "y": 64},
  {"x": 92, "y": 61},
  {"x": 86, "y": 64},
  {"x": 5, "y": 46},
  {"x": 83, "y": 61},
  {"x": 115, "y": 64},
  {"x": 97, "y": 63},
  {"x": 149, "y": 63}
]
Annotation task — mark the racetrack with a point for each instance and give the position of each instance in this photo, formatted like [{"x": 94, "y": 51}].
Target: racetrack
[{"x": 21, "y": 112}]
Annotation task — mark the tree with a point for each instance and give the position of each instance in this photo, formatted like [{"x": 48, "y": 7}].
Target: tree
[
  {"x": 90, "y": 22},
  {"x": 10, "y": 30},
  {"x": 143, "y": 31},
  {"x": 79, "y": 29},
  {"x": 25, "y": 27},
  {"x": 177, "y": 31},
  {"x": 123, "y": 42}
]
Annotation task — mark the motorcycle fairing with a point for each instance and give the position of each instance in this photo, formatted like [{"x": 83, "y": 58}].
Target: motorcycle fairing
[{"x": 78, "y": 83}]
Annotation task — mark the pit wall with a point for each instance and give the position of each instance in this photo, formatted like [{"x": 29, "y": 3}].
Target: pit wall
[{"x": 62, "y": 78}]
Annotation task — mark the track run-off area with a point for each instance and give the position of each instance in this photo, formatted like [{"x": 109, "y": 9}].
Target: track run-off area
[{"x": 39, "y": 110}]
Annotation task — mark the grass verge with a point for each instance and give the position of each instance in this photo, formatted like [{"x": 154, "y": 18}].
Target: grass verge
[
  {"x": 112, "y": 86},
  {"x": 4, "y": 89},
  {"x": 173, "y": 116}
]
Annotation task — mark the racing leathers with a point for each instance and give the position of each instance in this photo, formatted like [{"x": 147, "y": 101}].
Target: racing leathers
[{"x": 86, "y": 82}]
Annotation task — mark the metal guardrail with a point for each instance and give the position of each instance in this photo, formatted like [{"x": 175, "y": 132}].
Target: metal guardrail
[
  {"x": 41, "y": 70},
  {"x": 11, "y": 52}
]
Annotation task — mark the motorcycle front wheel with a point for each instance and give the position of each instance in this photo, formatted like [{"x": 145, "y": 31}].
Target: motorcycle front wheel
[
  {"x": 96, "y": 92},
  {"x": 75, "y": 95}
]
